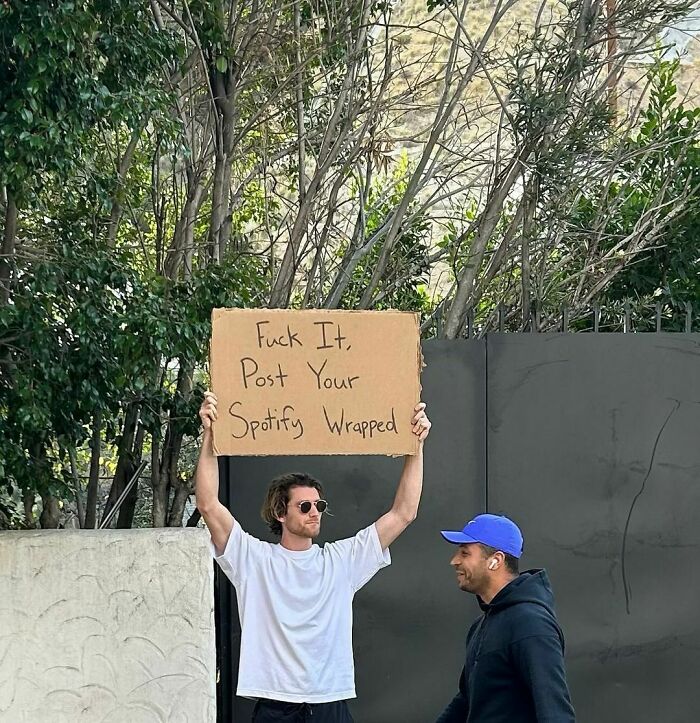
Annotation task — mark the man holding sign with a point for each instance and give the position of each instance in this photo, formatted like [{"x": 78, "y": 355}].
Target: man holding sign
[{"x": 294, "y": 597}]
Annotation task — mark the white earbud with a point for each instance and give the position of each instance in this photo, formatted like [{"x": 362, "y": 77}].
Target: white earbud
[{"x": 492, "y": 565}]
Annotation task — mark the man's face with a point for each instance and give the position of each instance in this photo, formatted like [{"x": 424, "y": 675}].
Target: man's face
[
  {"x": 471, "y": 565},
  {"x": 295, "y": 521}
]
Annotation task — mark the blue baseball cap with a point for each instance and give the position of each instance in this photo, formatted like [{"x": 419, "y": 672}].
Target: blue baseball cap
[{"x": 492, "y": 530}]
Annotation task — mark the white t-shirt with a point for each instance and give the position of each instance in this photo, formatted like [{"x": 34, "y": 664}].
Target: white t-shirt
[{"x": 296, "y": 613}]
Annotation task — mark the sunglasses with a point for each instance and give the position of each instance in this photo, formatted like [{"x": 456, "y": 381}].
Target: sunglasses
[{"x": 305, "y": 506}]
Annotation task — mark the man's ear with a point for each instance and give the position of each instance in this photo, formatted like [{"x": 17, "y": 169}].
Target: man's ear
[{"x": 498, "y": 559}]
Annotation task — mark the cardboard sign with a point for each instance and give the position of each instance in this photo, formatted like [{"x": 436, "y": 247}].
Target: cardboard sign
[{"x": 315, "y": 382}]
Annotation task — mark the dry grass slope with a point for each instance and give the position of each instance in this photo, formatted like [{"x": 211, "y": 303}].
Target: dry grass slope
[{"x": 423, "y": 39}]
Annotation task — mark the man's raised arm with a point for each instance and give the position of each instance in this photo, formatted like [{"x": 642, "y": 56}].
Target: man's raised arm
[
  {"x": 405, "y": 507},
  {"x": 219, "y": 520}
]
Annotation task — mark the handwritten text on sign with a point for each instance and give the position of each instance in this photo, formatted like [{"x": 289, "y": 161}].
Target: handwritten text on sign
[{"x": 314, "y": 382}]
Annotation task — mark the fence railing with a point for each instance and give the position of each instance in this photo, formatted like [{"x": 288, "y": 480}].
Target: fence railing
[{"x": 623, "y": 317}]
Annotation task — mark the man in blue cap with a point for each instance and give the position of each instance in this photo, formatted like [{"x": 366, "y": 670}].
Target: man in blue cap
[{"x": 514, "y": 669}]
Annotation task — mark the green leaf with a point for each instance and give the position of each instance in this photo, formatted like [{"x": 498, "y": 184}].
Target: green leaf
[{"x": 22, "y": 42}]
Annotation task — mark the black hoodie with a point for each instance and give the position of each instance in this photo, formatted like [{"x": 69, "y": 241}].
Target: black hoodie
[{"x": 514, "y": 671}]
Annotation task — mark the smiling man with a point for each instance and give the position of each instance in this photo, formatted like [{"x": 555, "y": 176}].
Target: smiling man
[
  {"x": 294, "y": 597},
  {"x": 514, "y": 668}
]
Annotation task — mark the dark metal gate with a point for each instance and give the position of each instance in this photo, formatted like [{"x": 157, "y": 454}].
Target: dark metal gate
[{"x": 592, "y": 443}]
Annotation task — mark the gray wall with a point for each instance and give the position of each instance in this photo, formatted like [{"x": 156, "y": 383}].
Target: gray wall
[
  {"x": 559, "y": 432},
  {"x": 586, "y": 432}
]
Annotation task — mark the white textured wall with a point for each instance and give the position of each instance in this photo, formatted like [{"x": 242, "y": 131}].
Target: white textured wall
[{"x": 110, "y": 626}]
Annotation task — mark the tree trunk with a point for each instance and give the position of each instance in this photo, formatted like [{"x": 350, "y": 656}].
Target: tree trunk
[
  {"x": 355, "y": 251},
  {"x": 301, "y": 129},
  {"x": 223, "y": 87},
  {"x": 158, "y": 485},
  {"x": 125, "y": 518},
  {"x": 164, "y": 472},
  {"x": 76, "y": 487},
  {"x": 177, "y": 509},
  {"x": 5, "y": 518},
  {"x": 125, "y": 461},
  {"x": 28, "y": 501},
  {"x": 94, "y": 480},
  {"x": 182, "y": 244},
  {"x": 526, "y": 274},
  {"x": 161, "y": 491},
  {"x": 8, "y": 247},
  {"x": 168, "y": 478},
  {"x": 225, "y": 229},
  {"x": 51, "y": 514},
  {"x": 122, "y": 170}
]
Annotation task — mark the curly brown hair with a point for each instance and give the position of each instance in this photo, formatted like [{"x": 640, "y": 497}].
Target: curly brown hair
[{"x": 277, "y": 497}]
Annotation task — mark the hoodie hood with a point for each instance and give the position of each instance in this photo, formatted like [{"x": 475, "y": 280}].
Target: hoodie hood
[{"x": 531, "y": 586}]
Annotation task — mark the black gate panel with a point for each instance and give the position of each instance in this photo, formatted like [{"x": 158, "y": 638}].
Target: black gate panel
[
  {"x": 594, "y": 448},
  {"x": 591, "y": 442},
  {"x": 407, "y": 657}
]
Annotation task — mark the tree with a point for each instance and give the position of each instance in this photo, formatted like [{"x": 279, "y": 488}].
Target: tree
[
  {"x": 665, "y": 275},
  {"x": 555, "y": 139},
  {"x": 70, "y": 68},
  {"x": 203, "y": 154}
]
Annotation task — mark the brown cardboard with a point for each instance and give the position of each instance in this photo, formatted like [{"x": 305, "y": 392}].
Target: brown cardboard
[{"x": 285, "y": 380}]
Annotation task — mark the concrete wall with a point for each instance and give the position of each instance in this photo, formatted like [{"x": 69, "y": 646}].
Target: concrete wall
[{"x": 111, "y": 626}]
